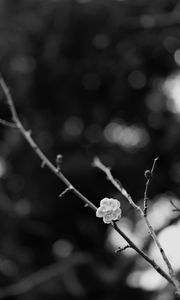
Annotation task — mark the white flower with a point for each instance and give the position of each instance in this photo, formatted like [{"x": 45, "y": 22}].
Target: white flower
[{"x": 109, "y": 210}]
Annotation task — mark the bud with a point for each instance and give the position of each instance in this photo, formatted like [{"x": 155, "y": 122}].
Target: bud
[
  {"x": 59, "y": 159},
  {"x": 148, "y": 174}
]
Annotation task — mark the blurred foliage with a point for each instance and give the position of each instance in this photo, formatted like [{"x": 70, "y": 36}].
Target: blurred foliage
[{"x": 86, "y": 78}]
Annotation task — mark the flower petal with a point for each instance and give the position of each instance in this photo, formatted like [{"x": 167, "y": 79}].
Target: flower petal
[
  {"x": 118, "y": 211},
  {"x": 99, "y": 212},
  {"x": 104, "y": 208},
  {"x": 104, "y": 201},
  {"x": 115, "y": 216},
  {"x": 114, "y": 203},
  {"x": 107, "y": 218}
]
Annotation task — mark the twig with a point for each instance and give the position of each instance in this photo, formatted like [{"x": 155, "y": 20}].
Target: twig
[
  {"x": 65, "y": 191},
  {"x": 45, "y": 161},
  {"x": 148, "y": 174},
  {"x": 122, "y": 249},
  {"x": 6, "y": 123},
  {"x": 97, "y": 163}
]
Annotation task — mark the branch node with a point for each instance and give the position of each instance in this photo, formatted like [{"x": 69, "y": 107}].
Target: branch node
[
  {"x": 7, "y": 123},
  {"x": 69, "y": 188},
  {"x": 122, "y": 249},
  {"x": 148, "y": 174}
]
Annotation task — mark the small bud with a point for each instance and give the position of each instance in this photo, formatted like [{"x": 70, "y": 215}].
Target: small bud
[
  {"x": 59, "y": 158},
  {"x": 148, "y": 174}
]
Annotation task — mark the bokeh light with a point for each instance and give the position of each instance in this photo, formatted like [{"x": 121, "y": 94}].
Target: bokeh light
[
  {"x": 137, "y": 79},
  {"x": 129, "y": 137},
  {"x": 171, "y": 89},
  {"x": 62, "y": 248},
  {"x": 73, "y": 127}
]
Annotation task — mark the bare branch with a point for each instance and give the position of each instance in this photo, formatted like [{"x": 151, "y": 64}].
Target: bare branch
[
  {"x": 165, "y": 258},
  {"x": 70, "y": 188},
  {"x": 122, "y": 249},
  {"x": 9, "y": 100},
  {"x": 7, "y": 123},
  {"x": 98, "y": 164}
]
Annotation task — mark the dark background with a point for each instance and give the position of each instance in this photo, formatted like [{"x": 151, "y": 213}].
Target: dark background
[{"x": 75, "y": 70}]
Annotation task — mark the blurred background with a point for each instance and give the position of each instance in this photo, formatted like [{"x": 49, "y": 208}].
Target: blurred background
[{"x": 89, "y": 78}]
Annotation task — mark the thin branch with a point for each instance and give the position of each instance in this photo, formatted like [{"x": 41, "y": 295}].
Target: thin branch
[
  {"x": 7, "y": 123},
  {"x": 97, "y": 163},
  {"x": 148, "y": 174},
  {"x": 122, "y": 249},
  {"x": 65, "y": 191},
  {"x": 170, "y": 268}
]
